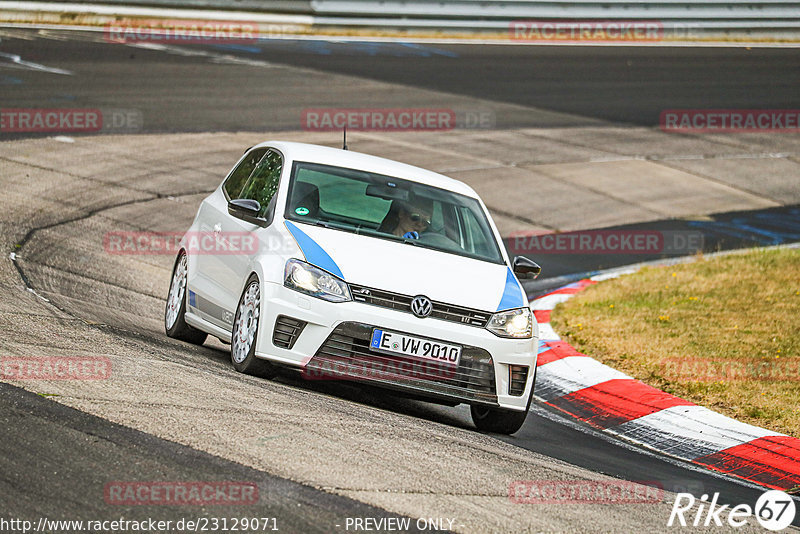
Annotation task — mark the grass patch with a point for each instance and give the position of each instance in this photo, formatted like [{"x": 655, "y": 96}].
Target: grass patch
[{"x": 723, "y": 332}]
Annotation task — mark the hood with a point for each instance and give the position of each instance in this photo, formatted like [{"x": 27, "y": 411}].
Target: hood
[{"x": 409, "y": 270}]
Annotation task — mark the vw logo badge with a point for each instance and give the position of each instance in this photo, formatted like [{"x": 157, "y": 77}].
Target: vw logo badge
[{"x": 421, "y": 306}]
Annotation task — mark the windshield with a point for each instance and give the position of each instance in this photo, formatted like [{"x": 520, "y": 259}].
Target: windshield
[{"x": 390, "y": 208}]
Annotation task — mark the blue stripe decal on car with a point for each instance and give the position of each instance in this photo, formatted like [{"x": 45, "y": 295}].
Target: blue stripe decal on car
[
  {"x": 513, "y": 297},
  {"x": 191, "y": 299},
  {"x": 313, "y": 252}
]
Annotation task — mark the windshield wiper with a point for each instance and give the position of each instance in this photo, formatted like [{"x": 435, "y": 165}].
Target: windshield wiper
[{"x": 329, "y": 225}]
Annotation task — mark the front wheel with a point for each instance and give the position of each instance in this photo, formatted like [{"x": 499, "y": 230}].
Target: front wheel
[
  {"x": 174, "y": 322},
  {"x": 245, "y": 332},
  {"x": 497, "y": 420}
]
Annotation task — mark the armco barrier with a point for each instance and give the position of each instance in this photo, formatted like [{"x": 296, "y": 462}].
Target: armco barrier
[
  {"x": 563, "y": 9},
  {"x": 676, "y": 16},
  {"x": 271, "y": 6}
]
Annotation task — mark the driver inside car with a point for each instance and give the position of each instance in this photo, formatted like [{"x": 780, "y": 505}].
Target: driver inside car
[{"x": 410, "y": 218}]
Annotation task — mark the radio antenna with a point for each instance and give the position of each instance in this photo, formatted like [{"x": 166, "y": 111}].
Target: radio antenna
[{"x": 344, "y": 140}]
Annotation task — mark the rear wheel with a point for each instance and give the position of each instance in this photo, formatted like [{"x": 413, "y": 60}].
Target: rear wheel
[
  {"x": 497, "y": 420},
  {"x": 174, "y": 322},
  {"x": 245, "y": 333}
]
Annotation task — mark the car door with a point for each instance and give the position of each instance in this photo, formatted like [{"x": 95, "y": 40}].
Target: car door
[
  {"x": 209, "y": 296},
  {"x": 234, "y": 268}
]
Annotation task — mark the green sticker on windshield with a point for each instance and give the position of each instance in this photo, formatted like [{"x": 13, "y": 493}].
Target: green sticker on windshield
[{"x": 301, "y": 211}]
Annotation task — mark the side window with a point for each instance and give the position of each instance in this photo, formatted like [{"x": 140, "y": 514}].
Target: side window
[
  {"x": 476, "y": 241},
  {"x": 233, "y": 185},
  {"x": 264, "y": 181}
]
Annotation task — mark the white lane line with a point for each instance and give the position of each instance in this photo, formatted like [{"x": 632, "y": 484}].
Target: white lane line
[
  {"x": 213, "y": 56},
  {"x": 689, "y": 432},
  {"x": 567, "y": 375},
  {"x": 19, "y": 63},
  {"x": 549, "y": 302},
  {"x": 610, "y": 275}
]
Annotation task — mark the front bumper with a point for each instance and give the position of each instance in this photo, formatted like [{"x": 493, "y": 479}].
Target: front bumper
[
  {"x": 346, "y": 355},
  {"x": 333, "y": 343}
]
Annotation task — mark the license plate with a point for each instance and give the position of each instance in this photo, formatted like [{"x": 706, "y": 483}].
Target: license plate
[{"x": 415, "y": 346}]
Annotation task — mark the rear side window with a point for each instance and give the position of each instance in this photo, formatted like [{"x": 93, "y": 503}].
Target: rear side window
[
  {"x": 235, "y": 182},
  {"x": 264, "y": 181}
]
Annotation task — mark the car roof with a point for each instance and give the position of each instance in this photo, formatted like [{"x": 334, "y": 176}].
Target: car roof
[{"x": 293, "y": 151}]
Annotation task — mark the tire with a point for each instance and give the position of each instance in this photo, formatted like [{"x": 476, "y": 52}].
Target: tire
[
  {"x": 502, "y": 421},
  {"x": 175, "y": 309},
  {"x": 245, "y": 333},
  {"x": 497, "y": 420}
]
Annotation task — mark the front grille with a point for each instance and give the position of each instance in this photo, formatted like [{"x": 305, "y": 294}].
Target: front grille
[
  {"x": 518, "y": 377},
  {"x": 346, "y": 355},
  {"x": 287, "y": 330},
  {"x": 397, "y": 301}
]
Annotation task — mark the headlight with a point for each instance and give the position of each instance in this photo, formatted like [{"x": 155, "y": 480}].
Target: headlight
[
  {"x": 306, "y": 278},
  {"x": 516, "y": 323}
]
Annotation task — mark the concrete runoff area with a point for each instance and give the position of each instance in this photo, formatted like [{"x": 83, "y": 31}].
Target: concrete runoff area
[{"x": 416, "y": 459}]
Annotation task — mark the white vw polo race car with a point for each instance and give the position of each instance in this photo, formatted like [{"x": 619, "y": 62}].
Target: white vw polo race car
[{"x": 353, "y": 267}]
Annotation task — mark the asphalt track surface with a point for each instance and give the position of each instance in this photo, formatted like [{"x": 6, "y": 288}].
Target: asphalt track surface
[
  {"x": 568, "y": 86},
  {"x": 53, "y": 478},
  {"x": 558, "y": 86},
  {"x": 628, "y": 85}
]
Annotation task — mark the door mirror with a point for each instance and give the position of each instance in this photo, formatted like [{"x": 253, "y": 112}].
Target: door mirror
[
  {"x": 247, "y": 210},
  {"x": 526, "y": 269}
]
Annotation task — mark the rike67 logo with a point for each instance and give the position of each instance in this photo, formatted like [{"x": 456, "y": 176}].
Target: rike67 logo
[{"x": 774, "y": 510}]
